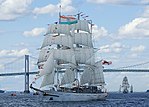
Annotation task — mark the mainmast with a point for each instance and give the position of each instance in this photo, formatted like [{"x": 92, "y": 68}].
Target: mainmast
[
  {"x": 77, "y": 45},
  {"x": 60, "y": 13},
  {"x": 78, "y": 17},
  {"x": 58, "y": 45}
]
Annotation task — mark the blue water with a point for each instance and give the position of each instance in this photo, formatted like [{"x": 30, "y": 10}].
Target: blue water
[{"x": 113, "y": 100}]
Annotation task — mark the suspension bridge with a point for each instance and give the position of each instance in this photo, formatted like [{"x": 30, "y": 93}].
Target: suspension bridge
[{"x": 26, "y": 65}]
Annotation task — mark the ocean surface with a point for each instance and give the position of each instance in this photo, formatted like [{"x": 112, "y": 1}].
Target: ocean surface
[{"x": 114, "y": 100}]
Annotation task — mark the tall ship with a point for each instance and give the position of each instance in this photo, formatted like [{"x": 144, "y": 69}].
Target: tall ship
[
  {"x": 67, "y": 62},
  {"x": 125, "y": 87}
]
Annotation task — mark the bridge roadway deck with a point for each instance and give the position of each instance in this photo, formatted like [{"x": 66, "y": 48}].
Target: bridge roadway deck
[{"x": 105, "y": 70}]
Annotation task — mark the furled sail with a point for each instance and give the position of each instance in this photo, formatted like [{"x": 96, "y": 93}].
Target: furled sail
[
  {"x": 83, "y": 39},
  {"x": 64, "y": 40},
  {"x": 81, "y": 25},
  {"x": 68, "y": 77},
  {"x": 59, "y": 28},
  {"x": 64, "y": 66}
]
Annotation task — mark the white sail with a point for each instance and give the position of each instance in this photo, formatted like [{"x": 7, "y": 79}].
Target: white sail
[
  {"x": 68, "y": 77},
  {"x": 79, "y": 55},
  {"x": 98, "y": 77},
  {"x": 83, "y": 39},
  {"x": 93, "y": 75},
  {"x": 64, "y": 40},
  {"x": 86, "y": 77},
  {"x": 65, "y": 55},
  {"x": 85, "y": 56},
  {"x": 81, "y": 25},
  {"x": 48, "y": 66},
  {"x": 48, "y": 79},
  {"x": 43, "y": 55},
  {"x": 59, "y": 28},
  {"x": 125, "y": 82}
]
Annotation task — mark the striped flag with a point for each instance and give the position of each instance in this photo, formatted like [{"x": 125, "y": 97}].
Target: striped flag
[{"x": 68, "y": 20}]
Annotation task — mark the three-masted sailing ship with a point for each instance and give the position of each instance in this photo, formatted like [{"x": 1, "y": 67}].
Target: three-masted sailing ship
[
  {"x": 125, "y": 86},
  {"x": 67, "y": 50}
]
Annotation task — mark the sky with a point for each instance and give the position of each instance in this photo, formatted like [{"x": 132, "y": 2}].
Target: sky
[{"x": 120, "y": 32}]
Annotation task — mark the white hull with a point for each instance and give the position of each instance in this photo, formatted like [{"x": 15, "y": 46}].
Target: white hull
[{"x": 63, "y": 96}]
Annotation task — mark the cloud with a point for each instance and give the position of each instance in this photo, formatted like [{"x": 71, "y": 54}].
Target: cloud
[
  {"x": 136, "y": 28},
  {"x": 138, "y": 49},
  {"x": 99, "y": 32},
  {"x": 66, "y": 6},
  {"x": 34, "y": 32},
  {"x": 16, "y": 53},
  {"x": 22, "y": 44},
  {"x": 145, "y": 1},
  {"x": 119, "y": 2},
  {"x": 135, "y": 51},
  {"x": 105, "y": 48},
  {"x": 108, "y": 1},
  {"x": 10, "y": 10},
  {"x": 47, "y": 9},
  {"x": 115, "y": 47}
]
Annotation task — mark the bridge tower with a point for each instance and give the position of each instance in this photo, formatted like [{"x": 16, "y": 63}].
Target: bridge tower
[{"x": 26, "y": 74}]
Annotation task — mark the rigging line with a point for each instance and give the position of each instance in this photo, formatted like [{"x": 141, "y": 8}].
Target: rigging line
[
  {"x": 135, "y": 65},
  {"x": 33, "y": 57}
]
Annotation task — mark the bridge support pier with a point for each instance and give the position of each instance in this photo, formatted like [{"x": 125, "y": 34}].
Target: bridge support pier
[{"x": 26, "y": 74}]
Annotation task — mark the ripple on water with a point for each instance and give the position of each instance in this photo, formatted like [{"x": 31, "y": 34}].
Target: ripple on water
[{"x": 114, "y": 100}]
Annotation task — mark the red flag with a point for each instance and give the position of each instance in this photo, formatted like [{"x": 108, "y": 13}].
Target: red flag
[{"x": 106, "y": 62}]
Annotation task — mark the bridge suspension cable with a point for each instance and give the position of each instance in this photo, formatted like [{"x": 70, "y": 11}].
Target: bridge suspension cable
[{"x": 135, "y": 65}]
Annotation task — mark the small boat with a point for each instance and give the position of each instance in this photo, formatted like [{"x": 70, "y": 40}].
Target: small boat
[
  {"x": 13, "y": 94},
  {"x": 2, "y": 91}
]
